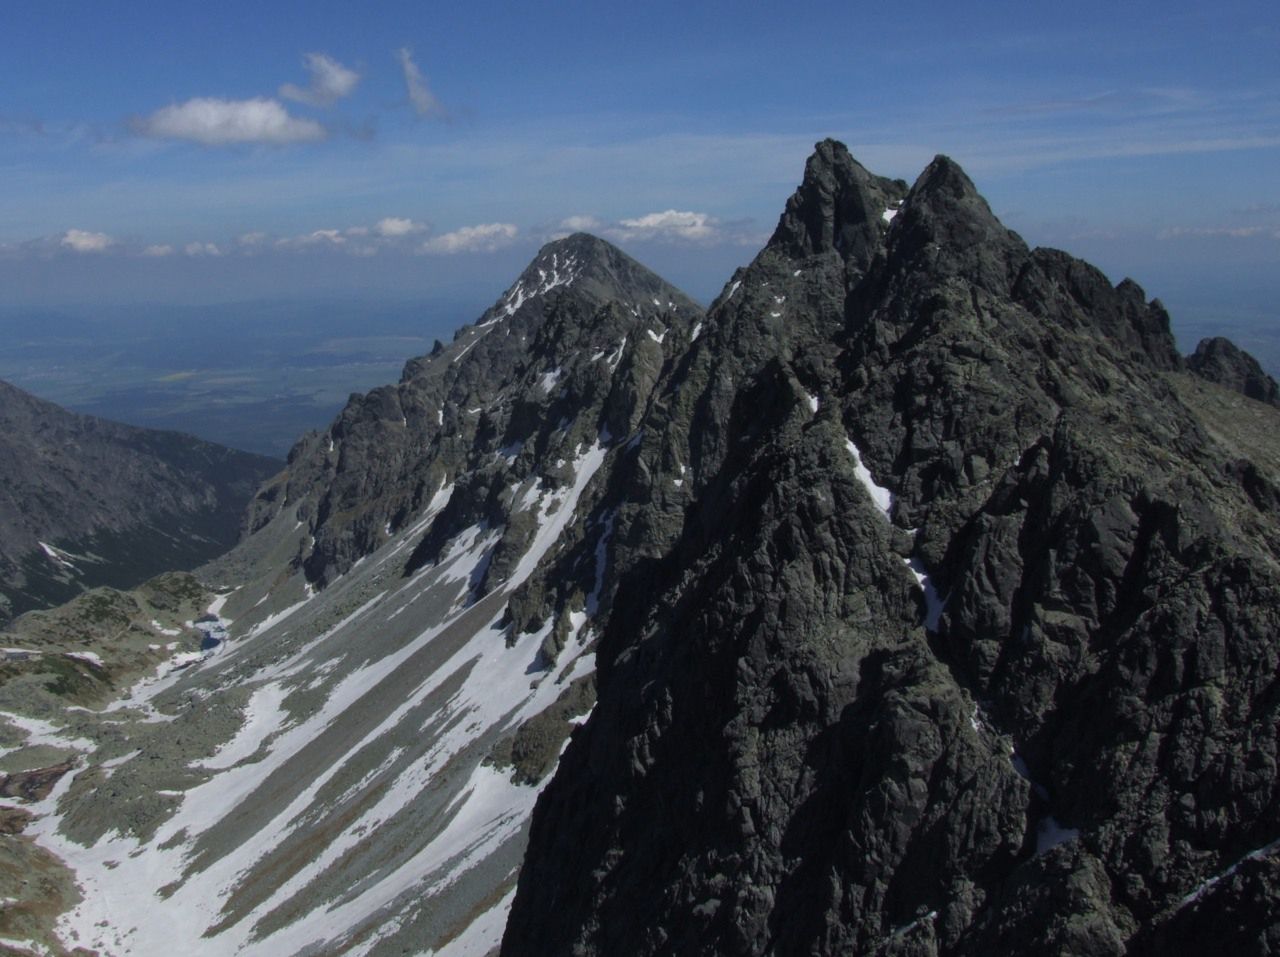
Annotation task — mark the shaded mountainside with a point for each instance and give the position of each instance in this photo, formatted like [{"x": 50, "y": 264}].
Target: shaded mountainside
[
  {"x": 86, "y": 502},
  {"x": 916, "y": 598},
  {"x": 966, "y": 642}
]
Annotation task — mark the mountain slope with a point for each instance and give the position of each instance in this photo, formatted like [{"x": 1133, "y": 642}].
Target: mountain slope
[
  {"x": 966, "y": 643},
  {"x": 406, "y": 642},
  {"x": 86, "y": 502}
]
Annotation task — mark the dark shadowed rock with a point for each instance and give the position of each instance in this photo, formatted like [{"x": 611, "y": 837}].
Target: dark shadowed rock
[
  {"x": 1220, "y": 360},
  {"x": 1045, "y": 744}
]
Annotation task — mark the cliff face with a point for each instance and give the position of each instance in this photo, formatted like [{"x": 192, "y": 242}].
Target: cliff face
[
  {"x": 87, "y": 502},
  {"x": 961, "y": 635}
]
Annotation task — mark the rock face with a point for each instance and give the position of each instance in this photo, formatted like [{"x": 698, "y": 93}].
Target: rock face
[
  {"x": 1220, "y": 360},
  {"x": 112, "y": 504},
  {"x": 959, "y": 636}
]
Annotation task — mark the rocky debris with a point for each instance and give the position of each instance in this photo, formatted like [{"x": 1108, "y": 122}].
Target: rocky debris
[
  {"x": 783, "y": 758},
  {"x": 1220, "y": 360},
  {"x": 86, "y": 502},
  {"x": 14, "y": 820},
  {"x": 33, "y": 785}
]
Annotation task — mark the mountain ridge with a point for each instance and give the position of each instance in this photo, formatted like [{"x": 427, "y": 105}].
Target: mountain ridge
[
  {"x": 702, "y": 811},
  {"x": 85, "y": 501}
]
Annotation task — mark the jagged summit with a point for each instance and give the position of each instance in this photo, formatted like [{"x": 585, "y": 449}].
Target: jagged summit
[
  {"x": 964, "y": 632},
  {"x": 839, "y": 206},
  {"x": 542, "y": 354}
]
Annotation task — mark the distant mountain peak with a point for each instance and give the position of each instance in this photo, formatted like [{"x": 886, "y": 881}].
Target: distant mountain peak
[{"x": 597, "y": 271}]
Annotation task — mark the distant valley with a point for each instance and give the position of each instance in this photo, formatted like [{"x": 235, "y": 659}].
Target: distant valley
[{"x": 252, "y": 376}]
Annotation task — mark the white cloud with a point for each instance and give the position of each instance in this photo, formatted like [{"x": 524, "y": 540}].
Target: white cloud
[
  {"x": 393, "y": 226},
  {"x": 81, "y": 241},
  {"x": 317, "y": 237},
  {"x": 255, "y": 238},
  {"x": 581, "y": 224},
  {"x": 671, "y": 224},
  {"x": 163, "y": 249},
  {"x": 420, "y": 95},
  {"x": 202, "y": 249},
  {"x": 217, "y": 122},
  {"x": 330, "y": 81},
  {"x": 472, "y": 239}
]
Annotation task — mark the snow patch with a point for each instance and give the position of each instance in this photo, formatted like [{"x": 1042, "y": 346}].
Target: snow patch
[
  {"x": 882, "y": 497},
  {"x": 1050, "y": 834},
  {"x": 547, "y": 381},
  {"x": 933, "y": 602}
]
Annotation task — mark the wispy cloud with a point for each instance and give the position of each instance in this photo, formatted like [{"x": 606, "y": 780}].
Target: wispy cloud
[
  {"x": 424, "y": 102},
  {"x": 1220, "y": 232},
  {"x": 330, "y": 81},
  {"x": 484, "y": 238},
  {"x": 668, "y": 225},
  {"x": 393, "y": 227},
  {"x": 217, "y": 122},
  {"x": 581, "y": 224},
  {"x": 202, "y": 249},
  {"x": 81, "y": 241},
  {"x": 158, "y": 251}
]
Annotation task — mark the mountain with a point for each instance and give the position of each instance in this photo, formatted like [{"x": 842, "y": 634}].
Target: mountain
[
  {"x": 966, "y": 643},
  {"x": 917, "y": 597},
  {"x": 344, "y": 754},
  {"x": 86, "y": 502}
]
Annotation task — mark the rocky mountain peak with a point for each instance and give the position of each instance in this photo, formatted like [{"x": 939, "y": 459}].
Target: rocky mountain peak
[
  {"x": 1222, "y": 361},
  {"x": 597, "y": 272},
  {"x": 839, "y": 206},
  {"x": 947, "y": 228}
]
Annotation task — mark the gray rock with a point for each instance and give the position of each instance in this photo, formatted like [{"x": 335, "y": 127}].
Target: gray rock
[{"x": 1220, "y": 360}]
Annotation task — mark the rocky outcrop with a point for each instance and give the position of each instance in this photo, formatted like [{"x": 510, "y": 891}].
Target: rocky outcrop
[
  {"x": 1222, "y": 361},
  {"x": 961, "y": 637},
  {"x": 87, "y": 502}
]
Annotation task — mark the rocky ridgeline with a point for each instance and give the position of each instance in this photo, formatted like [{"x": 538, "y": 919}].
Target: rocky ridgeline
[
  {"x": 87, "y": 502},
  {"x": 795, "y": 750}
]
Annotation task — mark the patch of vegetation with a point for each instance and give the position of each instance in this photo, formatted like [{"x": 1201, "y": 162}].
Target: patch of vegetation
[{"x": 70, "y": 679}]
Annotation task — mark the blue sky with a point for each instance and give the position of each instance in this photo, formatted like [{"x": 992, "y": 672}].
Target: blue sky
[{"x": 188, "y": 152}]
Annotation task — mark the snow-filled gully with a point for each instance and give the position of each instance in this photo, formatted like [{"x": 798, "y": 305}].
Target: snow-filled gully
[{"x": 357, "y": 811}]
